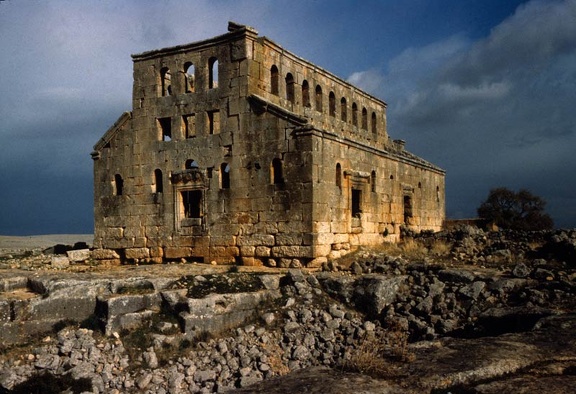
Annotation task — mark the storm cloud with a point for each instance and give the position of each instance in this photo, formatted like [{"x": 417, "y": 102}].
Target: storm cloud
[{"x": 486, "y": 91}]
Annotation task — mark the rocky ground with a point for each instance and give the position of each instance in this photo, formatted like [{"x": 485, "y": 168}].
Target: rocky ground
[{"x": 462, "y": 311}]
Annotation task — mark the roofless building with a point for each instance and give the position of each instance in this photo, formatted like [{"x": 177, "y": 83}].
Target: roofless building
[{"x": 237, "y": 150}]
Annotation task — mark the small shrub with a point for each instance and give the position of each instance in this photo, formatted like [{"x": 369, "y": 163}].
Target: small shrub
[
  {"x": 378, "y": 356},
  {"x": 368, "y": 358}
]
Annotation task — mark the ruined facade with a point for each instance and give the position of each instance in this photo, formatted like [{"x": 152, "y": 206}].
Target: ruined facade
[{"x": 237, "y": 150}]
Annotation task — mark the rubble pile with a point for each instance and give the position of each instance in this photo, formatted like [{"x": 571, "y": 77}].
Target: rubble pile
[{"x": 510, "y": 296}]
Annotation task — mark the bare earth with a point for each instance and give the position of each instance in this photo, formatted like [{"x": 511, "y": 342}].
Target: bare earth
[{"x": 42, "y": 241}]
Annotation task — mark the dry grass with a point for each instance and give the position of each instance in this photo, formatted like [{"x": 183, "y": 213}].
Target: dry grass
[
  {"x": 440, "y": 248},
  {"x": 380, "y": 357},
  {"x": 413, "y": 250}
]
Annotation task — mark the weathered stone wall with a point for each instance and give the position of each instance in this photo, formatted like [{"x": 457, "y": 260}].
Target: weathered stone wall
[{"x": 228, "y": 157}]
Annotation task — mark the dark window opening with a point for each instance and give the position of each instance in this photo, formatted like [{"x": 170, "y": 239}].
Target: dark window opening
[
  {"x": 118, "y": 185},
  {"x": 356, "y": 203},
  {"x": 189, "y": 77},
  {"x": 305, "y": 94},
  {"x": 165, "y": 128},
  {"x": 276, "y": 169},
  {"x": 191, "y": 163},
  {"x": 343, "y": 110},
  {"x": 373, "y": 181},
  {"x": 332, "y": 104},
  {"x": 225, "y": 176},
  {"x": 213, "y": 73},
  {"x": 354, "y": 115},
  {"x": 214, "y": 122},
  {"x": 189, "y": 122},
  {"x": 158, "y": 181},
  {"x": 290, "y": 88},
  {"x": 166, "y": 81},
  {"x": 339, "y": 176},
  {"x": 364, "y": 119},
  {"x": 374, "y": 125},
  {"x": 407, "y": 209},
  {"x": 318, "y": 98},
  {"x": 274, "y": 80},
  {"x": 192, "y": 202}
]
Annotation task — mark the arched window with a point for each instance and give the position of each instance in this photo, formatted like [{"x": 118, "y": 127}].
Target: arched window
[
  {"x": 191, "y": 163},
  {"x": 332, "y": 104},
  {"x": 165, "y": 81},
  {"x": 189, "y": 77},
  {"x": 158, "y": 181},
  {"x": 118, "y": 185},
  {"x": 364, "y": 118},
  {"x": 373, "y": 181},
  {"x": 374, "y": 125},
  {"x": 290, "y": 88},
  {"x": 213, "y": 74},
  {"x": 274, "y": 80},
  {"x": 318, "y": 98},
  {"x": 276, "y": 172},
  {"x": 354, "y": 115},
  {"x": 305, "y": 94},
  {"x": 339, "y": 176},
  {"x": 224, "y": 176},
  {"x": 343, "y": 110}
]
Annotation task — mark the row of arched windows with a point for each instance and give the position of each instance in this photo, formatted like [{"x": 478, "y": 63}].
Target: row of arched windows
[
  {"x": 318, "y": 101},
  {"x": 189, "y": 77},
  {"x": 276, "y": 176}
]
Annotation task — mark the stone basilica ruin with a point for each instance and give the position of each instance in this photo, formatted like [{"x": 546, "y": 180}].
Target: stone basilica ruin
[{"x": 237, "y": 150}]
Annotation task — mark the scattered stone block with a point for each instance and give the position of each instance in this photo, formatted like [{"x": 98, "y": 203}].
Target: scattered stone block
[
  {"x": 60, "y": 262},
  {"x": 78, "y": 255}
]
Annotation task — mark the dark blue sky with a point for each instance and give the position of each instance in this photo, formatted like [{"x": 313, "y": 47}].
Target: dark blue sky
[{"x": 484, "y": 89}]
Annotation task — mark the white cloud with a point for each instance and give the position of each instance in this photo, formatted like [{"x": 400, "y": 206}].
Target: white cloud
[{"x": 369, "y": 80}]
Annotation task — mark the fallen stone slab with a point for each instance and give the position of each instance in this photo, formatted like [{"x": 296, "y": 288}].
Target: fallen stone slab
[
  {"x": 78, "y": 255},
  {"x": 216, "y": 313}
]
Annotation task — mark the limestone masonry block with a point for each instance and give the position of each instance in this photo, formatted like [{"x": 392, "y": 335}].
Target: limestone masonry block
[
  {"x": 137, "y": 253},
  {"x": 78, "y": 255}
]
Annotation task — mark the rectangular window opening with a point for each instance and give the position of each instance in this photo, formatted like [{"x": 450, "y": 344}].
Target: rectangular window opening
[
  {"x": 407, "y": 209},
  {"x": 165, "y": 125},
  {"x": 356, "y": 203},
  {"x": 192, "y": 203}
]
